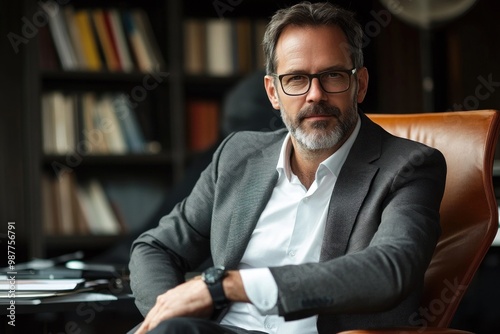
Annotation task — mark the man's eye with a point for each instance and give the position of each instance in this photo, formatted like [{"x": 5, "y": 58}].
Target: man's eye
[
  {"x": 297, "y": 78},
  {"x": 334, "y": 75}
]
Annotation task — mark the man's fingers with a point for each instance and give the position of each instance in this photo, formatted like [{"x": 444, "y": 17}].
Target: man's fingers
[
  {"x": 142, "y": 329},
  {"x": 189, "y": 299}
]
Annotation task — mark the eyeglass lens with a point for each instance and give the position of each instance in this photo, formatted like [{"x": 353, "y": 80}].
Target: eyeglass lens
[{"x": 331, "y": 82}]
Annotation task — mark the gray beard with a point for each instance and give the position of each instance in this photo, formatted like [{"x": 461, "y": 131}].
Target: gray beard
[{"x": 318, "y": 140}]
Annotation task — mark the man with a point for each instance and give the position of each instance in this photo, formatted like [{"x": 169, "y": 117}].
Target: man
[{"x": 325, "y": 227}]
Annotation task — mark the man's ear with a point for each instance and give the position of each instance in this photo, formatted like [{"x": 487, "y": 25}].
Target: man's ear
[
  {"x": 362, "y": 76},
  {"x": 272, "y": 94}
]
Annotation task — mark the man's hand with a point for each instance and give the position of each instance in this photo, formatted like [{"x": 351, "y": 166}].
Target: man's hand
[
  {"x": 188, "y": 299},
  {"x": 192, "y": 299}
]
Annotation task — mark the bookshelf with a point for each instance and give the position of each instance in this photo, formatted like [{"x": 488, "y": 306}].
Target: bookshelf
[
  {"x": 52, "y": 86},
  {"x": 55, "y": 91}
]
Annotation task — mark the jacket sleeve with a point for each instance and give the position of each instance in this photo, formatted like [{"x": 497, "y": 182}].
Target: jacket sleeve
[{"x": 160, "y": 257}]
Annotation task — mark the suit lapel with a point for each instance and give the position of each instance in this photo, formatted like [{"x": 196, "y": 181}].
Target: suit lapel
[
  {"x": 350, "y": 190},
  {"x": 258, "y": 180}
]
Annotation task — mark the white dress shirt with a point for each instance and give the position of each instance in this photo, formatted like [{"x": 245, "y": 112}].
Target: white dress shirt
[{"x": 289, "y": 231}]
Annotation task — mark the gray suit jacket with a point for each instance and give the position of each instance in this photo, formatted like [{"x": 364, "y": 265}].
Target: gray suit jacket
[{"x": 381, "y": 230}]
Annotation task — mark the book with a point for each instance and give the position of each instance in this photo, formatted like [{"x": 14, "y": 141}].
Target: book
[
  {"x": 60, "y": 35},
  {"x": 219, "y": 47},
  {"x": 75, "y": 36},
  {"x": 105, "y": 40},
  {"x": 91, "y": 133},
  {"x": 110, "y": 125},
  {"x": 62, "y": 211},
  {"x": 80, "y": 222},
  {"x": 48, "y": 55},
  {"x": 98, "y": 210},
  {"x": 60, "y": 126},
  {"x": 58, "y": 123},
  {"x": 88, "y": 40},
  {"x": 145, "y": 30},
  {"x": 132, "y": 133},
  {"x": 195, "y": 46},
  {"x": 203, "y": 123},
  {"x": 48, "y": 124},
  {"x": 114, "y": 21},
  {"x": 71, "y": 105},
  {"x": 242, "y": 45},
  {"x": 137, "y": 43}
]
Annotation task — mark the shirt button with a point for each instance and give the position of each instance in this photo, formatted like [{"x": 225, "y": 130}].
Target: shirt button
[
  {"x": 269, "y": 324},
  {"x": 291, "y": 253}
]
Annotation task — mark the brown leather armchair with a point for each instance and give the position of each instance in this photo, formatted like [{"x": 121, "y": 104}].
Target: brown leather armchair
[{"x": 469, "y": 213}]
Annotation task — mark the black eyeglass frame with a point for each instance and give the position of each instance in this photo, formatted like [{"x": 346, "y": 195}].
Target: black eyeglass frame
[{"x": 315, "y": 75}]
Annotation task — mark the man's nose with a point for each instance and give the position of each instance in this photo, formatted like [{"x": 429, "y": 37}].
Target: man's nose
[{"x": 316, "y": 92}]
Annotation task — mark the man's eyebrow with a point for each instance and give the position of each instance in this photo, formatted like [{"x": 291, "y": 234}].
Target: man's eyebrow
[{"x": 336, "y": 68}]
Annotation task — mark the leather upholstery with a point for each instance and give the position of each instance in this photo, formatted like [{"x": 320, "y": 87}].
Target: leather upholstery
[{"x": 469, "y": 213}]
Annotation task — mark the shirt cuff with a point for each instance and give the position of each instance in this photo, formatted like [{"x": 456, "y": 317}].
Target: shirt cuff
[{"x": 261, "y": 289}]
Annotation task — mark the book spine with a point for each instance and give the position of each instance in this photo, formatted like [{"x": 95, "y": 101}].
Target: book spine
[
  {"x": 105, "y": 41},
  {"x": 88, "y": 40},
  {"x": 203, "y": 121}
]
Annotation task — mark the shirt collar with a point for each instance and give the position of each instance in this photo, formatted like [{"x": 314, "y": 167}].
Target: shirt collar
[{"x": 333, "y": 163}]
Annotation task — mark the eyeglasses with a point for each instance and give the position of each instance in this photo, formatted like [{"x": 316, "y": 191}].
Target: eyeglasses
[{"x": 336, "y": 81}]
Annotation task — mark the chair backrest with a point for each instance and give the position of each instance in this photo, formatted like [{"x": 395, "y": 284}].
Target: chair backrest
[{"x": 469, "y": 213}]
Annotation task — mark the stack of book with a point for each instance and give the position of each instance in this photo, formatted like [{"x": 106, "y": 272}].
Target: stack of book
[
  {"x": 98, "y": 39},
  {"x": 223, "y": 47},
  {"x": 78, "y": 208},
  {"x": 90, "y": 124}
]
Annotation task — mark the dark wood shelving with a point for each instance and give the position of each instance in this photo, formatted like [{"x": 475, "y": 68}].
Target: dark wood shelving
[
  {"x": 102, "y": 76},
  {"x": 130, "y": 160},
  {"x": 209, "y": 86}
]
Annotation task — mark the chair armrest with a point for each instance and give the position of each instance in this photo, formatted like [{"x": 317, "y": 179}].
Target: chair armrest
[{"x": 407, "y": 330}]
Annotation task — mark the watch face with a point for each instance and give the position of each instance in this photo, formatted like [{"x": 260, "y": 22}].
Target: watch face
[{"x": 213, "y": 274}]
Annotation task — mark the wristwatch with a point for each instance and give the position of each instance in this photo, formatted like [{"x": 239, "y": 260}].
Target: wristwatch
[{"x": 213, "y": 277}]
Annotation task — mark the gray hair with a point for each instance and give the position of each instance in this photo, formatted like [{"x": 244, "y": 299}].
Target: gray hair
[{"x": 317, "y": 14}]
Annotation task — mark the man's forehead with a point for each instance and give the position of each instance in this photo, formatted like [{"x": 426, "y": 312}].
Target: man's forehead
[{"x": 298, "y": 45}]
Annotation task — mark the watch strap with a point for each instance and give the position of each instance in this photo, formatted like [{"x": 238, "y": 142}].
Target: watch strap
[{"x": 218, "y": 296}]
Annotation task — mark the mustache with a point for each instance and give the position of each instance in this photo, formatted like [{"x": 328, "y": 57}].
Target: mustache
[{"x": 320, "y": 109}]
